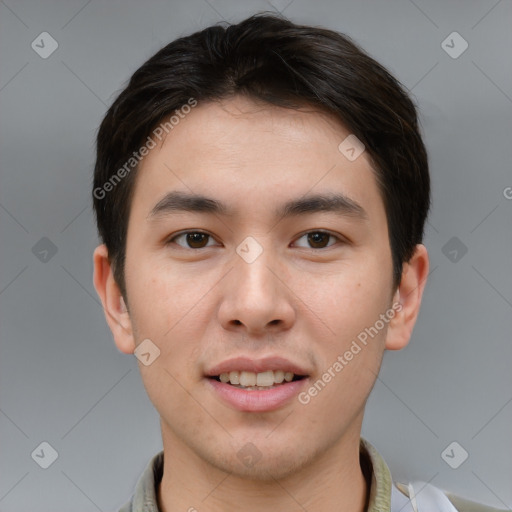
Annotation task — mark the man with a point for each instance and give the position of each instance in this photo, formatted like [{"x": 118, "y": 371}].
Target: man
[{"x": 261, "y": 192}]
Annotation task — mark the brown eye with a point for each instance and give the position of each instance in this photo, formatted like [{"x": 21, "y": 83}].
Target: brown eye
[
  {"x": 196, "y": 240},
  {"x": 318, "y": 239},
  {"x": 191, "y": 240}
]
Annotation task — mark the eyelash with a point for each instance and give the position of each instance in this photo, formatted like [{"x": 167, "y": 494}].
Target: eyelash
[{"x": 184, "y": 233}]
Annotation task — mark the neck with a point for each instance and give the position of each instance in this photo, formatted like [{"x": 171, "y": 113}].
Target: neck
[{"x": 333, "y": 481}]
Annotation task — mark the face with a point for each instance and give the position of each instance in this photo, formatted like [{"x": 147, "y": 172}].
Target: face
[{"x": 242, "y": 283}]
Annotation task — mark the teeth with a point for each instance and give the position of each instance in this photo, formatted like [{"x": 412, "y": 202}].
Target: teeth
[
  {"x": 247, "y": 379},
  {"x": 265, "y": 379},
  {"x": 251, "y": 379}
]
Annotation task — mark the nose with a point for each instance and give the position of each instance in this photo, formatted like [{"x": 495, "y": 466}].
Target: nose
[{"x": 255, "y": 299}]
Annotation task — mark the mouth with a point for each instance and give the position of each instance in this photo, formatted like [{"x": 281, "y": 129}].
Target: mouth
[
  {"x": 261, "y": 381},
  {"x": 262, "y": 385}
]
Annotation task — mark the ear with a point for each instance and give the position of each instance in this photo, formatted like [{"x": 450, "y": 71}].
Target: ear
[
  {"x": 116, "y": 312},
  {"x": 407, "y": 299}
]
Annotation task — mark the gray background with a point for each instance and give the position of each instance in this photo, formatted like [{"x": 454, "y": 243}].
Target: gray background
[{"x": 61, "y": 378}]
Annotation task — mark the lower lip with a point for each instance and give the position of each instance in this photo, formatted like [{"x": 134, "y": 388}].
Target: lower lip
[{"x": 257, "y": 401}]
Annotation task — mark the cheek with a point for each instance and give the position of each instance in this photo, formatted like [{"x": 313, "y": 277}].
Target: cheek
[
  {"x": 351, "y": 354},
  {"x": 350, "y": 358},
  {"x": 161, "y": 298},
  {"x": 349, "y": 300},
  {"x": 175, "y": 310}
]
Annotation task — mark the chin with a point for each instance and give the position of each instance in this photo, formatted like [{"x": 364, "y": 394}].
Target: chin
[
  {"x": 267, "y": 474},
  {"x": 265, "y": 465}
]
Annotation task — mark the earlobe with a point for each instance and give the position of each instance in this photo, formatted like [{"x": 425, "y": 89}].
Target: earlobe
[
  {"x": 114, "y": 307},
  {"x": 407, "y": 299}
]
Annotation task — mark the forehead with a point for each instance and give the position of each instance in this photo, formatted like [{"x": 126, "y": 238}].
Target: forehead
[{"x": 247, "y": 154}]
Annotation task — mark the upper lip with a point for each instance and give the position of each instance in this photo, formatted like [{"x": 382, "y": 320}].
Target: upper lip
[{"x": 248, "y": 364}]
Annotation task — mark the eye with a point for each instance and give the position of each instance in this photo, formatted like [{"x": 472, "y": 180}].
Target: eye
[
  {"x": 192, "y": 239},
  {"x": 318, "y": 239}
]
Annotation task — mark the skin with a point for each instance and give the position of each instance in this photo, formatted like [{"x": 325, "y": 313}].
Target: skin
[{"x": 203, "y": 306}]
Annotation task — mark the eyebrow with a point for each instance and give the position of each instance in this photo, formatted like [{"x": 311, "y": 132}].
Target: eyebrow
[{"x": 340, "y": 204}]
